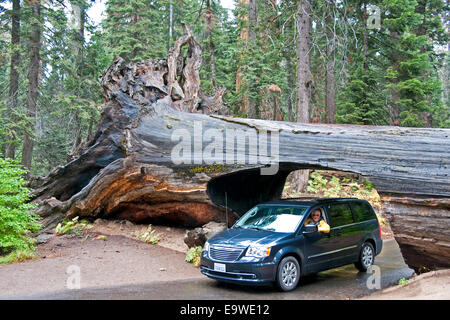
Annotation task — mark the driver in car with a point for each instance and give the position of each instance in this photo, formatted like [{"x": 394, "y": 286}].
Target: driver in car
[{"x": 316, "y": 218}]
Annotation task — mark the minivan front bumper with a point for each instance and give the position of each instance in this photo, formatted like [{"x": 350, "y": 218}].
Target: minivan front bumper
[{"x": 239, "y": 271}]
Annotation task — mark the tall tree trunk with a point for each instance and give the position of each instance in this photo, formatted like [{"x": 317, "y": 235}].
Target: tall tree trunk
[
  {"x": 304, "y": 80},
  {"x": 211, "y": 45},
  {"x": 421, "y": 31},
  {"x": 330, "y": 81},
  {"x": 33, "y": 81},
  {"x": 253, "y": 22},
  {"x": 290, "y": 72},
  {"x": 248, "y": 35},
  {"x": 244, "y": 38},
  {"x": 79, "y": 16},
  {"x": 291, "y": 84},
  {"x": 365, "y": 37},
  {"x": 422, "y": 28},
  {"x": 13, "y": 76},
  {"x": 303, "y": 60},
  {"x": 170, "y": 24},
  {"x": 363, "y": 17}
]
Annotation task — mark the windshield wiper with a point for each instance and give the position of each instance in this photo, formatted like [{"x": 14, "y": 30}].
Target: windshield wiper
[
  {"x": 255, "y": 227},
  {"x": 259, "y": 228}
]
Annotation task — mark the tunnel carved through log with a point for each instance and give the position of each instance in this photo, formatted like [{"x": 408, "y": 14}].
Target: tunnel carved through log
[{"x": 128, "y": 170}]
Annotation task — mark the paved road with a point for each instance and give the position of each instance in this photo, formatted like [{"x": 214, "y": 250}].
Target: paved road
[{"x": 341, "y": 283}]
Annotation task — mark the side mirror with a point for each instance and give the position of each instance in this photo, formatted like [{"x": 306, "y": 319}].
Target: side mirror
[{"x": 310, "y": 228}]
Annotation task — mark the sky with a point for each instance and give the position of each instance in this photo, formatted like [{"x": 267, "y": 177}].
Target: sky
[{"x": 97, "y": 11}]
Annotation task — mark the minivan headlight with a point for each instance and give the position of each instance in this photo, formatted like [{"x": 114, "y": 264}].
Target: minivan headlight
[
  {"x": 206, "y": 246},
  {"x": 257, "y": 251}
]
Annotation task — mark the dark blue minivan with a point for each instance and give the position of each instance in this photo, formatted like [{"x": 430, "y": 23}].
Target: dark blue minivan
[{"x": 277, "y": 242}]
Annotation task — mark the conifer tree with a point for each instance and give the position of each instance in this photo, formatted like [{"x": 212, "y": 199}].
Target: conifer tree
[
  {"x": 135, "y": 29},
  {"x": 411, "y": 74}
]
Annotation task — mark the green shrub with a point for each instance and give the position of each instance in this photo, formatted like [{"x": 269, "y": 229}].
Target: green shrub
[
  {"x": 316, "y": 182},
  {"x": 344, "y": 187},
  {"x": 149, "y": 236},
  {"x": 18, "y": 255},
  {"x": 17, "y": 222},
  {"x": 193, "y": 255},
  {"x": 73, "y": 226}
]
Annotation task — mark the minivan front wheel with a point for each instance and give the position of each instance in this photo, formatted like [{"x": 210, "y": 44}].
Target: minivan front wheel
[
  {"x": 366, "y": 257},
  {"x": 288, "y": 274}
]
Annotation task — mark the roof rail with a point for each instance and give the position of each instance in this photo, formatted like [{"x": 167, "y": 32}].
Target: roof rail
[
  {"x": 302, "y": 198},
  {"x": 318, "y": 198},
  {"x": 334, "y": 199}
]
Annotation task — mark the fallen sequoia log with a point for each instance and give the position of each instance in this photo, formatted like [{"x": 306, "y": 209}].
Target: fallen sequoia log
[{"x": 158, "y": 157}]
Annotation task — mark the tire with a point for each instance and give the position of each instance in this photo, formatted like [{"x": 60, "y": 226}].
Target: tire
[
  {"x": 288, "y": 274},
  {"x": 366, "y": 257}
]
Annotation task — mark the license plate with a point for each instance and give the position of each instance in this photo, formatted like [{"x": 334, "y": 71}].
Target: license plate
[{"x": 219, "y": 267}]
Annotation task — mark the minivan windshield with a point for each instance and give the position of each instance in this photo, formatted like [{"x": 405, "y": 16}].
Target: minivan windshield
[{"x": 277, "y": 218}]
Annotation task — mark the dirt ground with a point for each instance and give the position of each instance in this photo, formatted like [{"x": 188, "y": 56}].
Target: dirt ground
[{"x": 170, "y": 237}]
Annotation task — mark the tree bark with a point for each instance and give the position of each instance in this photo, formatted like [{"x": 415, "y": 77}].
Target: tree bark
[
  {"x": 303, "y": 61},
  {"x": 79, "y": 17},
  {"x": 211, "y": 46},
  {"x": 248, "y": 34},
  {"x": 291, "y": 84},
  {"x": 170, "y": 23},
  {"x": 365, "y": 37},
  {"x": 243, "y": 108},
  {"x": 290, "y": 72},
  {"x": 13, "y": 77},
  {"x": 33, "y": 83},
  {"x": 253, "y": 22},
  {"x": 330, "y": 81},
  {"x": 300, "y": 179}
]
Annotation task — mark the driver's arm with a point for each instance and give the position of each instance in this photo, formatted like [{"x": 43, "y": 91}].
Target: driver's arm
[{"x": 309, "y": 220}]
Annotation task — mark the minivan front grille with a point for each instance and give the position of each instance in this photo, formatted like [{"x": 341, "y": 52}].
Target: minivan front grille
[{"x": 224, "y": 253}]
